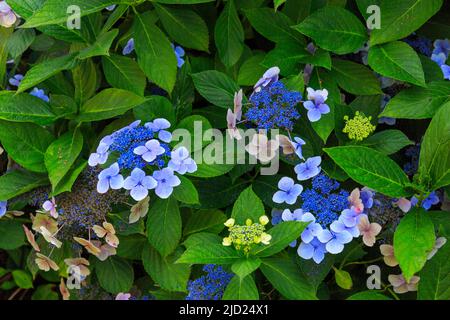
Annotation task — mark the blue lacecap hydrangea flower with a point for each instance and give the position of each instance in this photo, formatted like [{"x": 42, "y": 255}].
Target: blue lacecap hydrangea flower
[
  {"x": 324, "y": 200},
  {"x": 274, "y": 106},
  {"x": 144, "y": 160},
  {"x": 210, "y": 286}
]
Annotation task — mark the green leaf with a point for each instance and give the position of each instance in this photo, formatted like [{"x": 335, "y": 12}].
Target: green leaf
[
  {"x": 278, "y": 3},
  {"x": 216, "y": 87},
  {"x": 155, "y": 54},
  {"x": 265, "y": 187},
  {"x": 182, "y": 1},
  {"x": 25, "y": 143},
  {"x": 23, "y": 279},
  {"x": 109, "y": 103},
  {"x": 17, "y": 182},
  {"x": 114, "y": 274},
  {"x": 186, "y": 192},
  {"x": 371, "y": 168},
  {"x": 413, "y": 240},
  {"x": 201, "y": 238},
  {"x": 202, "y": 220},
  {"x": 241, "y": 289},
  {"x": 205, "y": 170},
  {"x": 397, "y": 60},
  {"x": 275, "y": 26},
  {"x": 289, "y": 55},
  {"x": 132, "y": 246},
  {"x": 185, "y": 26},
  {"x": 85, "y": 81},
  {"x": 251, "y": 70},
  {"x": 435, "y": 277},
  {"x": 196, "y": 125},
  {"x": 5, "y": 34},
  {"x": 368, "y": 295},
  {"x": 330, "y": 23},
  {"x": 418, "y": 103},
  {"x": 20, "y": 41},
  {"x": 245, "y": 266},
  {"x": 343, "y": 279},
  {"x": 355, "y": 78},
  {"x": 24, "y": 108},
  {"x": 164, "y": 225},
  {"x": 285, "y": 276},
  {"x": 164, "y": 271},
  {"x": 11, "y": 234},
  {"x": 316, "y": 273},
  {"x": 45, "y": 292},
  {"x": 101, "y": 46},
  {"x": 402, "y": 17},
  {"x": 66, "y": 183},
  {"x": 229, "y": 35},
  {"x": 45, "y": 70},
  {"x": 155, "y": 107},
  {"x": 55, "y": 11},
  {"x": 387, "y": 141},
  {"x": 209, "y": 252},
  {"x": 247, "y": 206},
  {"x": 217, "y": 192},
  {"x": 434, "y": 159},
  {"x": 61, "y": 155},
  {"x": 282, "y": 235},
  {"x": 25, "y": 8},
  {"x": 326, "y": 125}
]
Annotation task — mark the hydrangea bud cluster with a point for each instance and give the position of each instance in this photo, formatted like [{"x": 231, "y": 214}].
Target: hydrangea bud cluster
[
  {"x": 243, "y": 237},
  {"x": 140, "y": 159},
  {"x": 359, "y": 127}
]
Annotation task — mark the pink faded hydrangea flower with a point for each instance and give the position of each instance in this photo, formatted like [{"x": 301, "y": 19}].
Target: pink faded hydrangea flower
[
  {"x": 262, "y": 148},
  {"x": 388, "y": 255},
  {"x": 368, "y": 230},
  {"x": 7, "y": 16},
  {"x": 400, "y": 284},
  {"x": 123, "y": 296}
]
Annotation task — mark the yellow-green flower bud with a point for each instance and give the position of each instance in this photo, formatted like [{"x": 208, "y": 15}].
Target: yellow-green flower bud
[{"x": 359, "y": 127}]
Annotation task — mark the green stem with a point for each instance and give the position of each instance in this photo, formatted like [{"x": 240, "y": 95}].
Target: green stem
[
  {"x": 348, "y": 254},
  {"x": 364, "y": 262}
]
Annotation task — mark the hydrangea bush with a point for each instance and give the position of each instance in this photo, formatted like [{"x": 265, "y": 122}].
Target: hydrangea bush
[{"x": 110, "y": 110}]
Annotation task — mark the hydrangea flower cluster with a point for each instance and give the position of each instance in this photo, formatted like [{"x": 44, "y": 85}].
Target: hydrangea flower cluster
[
  {"x": 79, "y": 210},
  {"x": 359, "y": 127},
  {"x": 335, "y": 218},
  {"x": 274, "y": 106},
  {"x": 144, "y": 153},
  {"x": 324, "y": 200},
  {"x": 420, "y": 44},
  {"x": 244, "y": 237},
  {"x": 440, "y": 55},
  {"x": 210, "y": 286}
]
